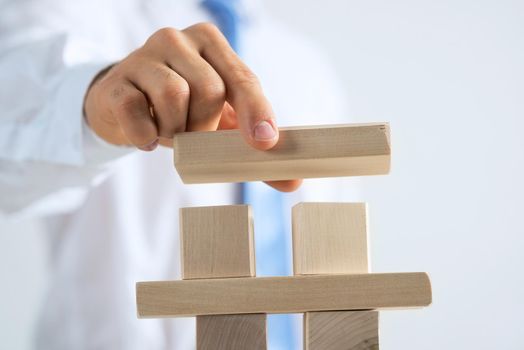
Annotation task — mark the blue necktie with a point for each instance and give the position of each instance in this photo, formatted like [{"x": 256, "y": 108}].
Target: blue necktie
[{"x": 271, "y": 238}]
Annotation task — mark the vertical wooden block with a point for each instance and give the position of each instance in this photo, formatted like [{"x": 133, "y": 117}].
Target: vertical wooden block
[
  {"x": 341, "y": 330},
  {"x": 331, "y": 238},
  {"x": 231, "y": 332},
  {"x": 217, "y": 242}
]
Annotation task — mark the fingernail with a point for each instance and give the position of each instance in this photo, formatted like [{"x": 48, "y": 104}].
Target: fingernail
[
  {"x": 264, "y": 131},
  {"x": 150, "y": 147}
]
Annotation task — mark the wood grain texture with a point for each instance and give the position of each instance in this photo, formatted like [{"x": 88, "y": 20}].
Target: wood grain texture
[
  {"x": 329, "y": 238},
  {"x": 217, "y": 242},
  {"x": 231, "y": 332},
  {"x": 290, "y": 294},
  {"x": 341, "y": 330},
  {"x": 302, "y": 152}
]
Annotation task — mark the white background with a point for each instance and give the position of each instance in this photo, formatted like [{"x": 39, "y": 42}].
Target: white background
[{"x": 449, "y": 76}]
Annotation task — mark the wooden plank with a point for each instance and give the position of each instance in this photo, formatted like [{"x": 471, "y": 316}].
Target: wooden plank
[
  {"x": 289, "y": 294},
  {"x": 217, "y": 242},
  {"x": 333, "y": 238},
  {"x": 329, "y": 238},
  {"x": 302, "y": 152},
  {"x": 341, "y": 330},
  {"x": 232, "y": 332}
]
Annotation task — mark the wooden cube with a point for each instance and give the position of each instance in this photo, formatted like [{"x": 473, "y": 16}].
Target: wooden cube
[{"x": 217, "y": 242}]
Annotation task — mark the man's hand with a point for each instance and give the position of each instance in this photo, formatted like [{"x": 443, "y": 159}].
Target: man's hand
[{"x": 189, "y": 80}]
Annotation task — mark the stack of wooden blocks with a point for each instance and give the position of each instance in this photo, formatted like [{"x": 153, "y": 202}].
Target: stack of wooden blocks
[{"x": 332, "y": 284}]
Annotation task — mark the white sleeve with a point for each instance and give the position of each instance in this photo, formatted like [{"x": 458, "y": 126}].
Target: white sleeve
[{"x": 49, "y": 157}]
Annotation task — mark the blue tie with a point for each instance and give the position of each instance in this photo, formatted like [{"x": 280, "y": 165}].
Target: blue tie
[
  {"x": 271, "y": 245},
  {"x": 226, "y": 16},
  {"x": 271, "y": 239}
]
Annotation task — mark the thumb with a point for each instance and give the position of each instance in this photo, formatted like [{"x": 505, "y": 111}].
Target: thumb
[{"x": 255, "y": 117}]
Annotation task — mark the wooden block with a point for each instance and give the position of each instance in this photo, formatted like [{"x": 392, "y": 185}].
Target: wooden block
[
  {"x": 343, "y": 330},
  {"x": 333, "y": 238},
  {"x": 329, "y": 238},
  {"x": 289, "y": 294},
  {"x": 232, "y": 332},
  {"x": 302, "y": 152},
  {"x": 217, "y": 242}
]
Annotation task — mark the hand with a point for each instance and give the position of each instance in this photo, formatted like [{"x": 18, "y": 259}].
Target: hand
[{"x": 189, "y": 80}]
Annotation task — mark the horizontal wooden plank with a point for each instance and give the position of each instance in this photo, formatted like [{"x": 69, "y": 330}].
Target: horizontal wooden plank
[
  {"x": 302, "y": 152},
  {"x": 289, "y": 294}
]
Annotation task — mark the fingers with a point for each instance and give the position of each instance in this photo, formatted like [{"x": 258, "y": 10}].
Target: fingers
[
  {"x": 131, "y": 110},
  {"x": 179, "y": 81},
  {"x": 228, "y": 118},
  {"x": 168, "y": 94},
  {"x": 285, "y": 185},
  {"x": 208, "y": 91},
  {"x": 255, "y": 115}
]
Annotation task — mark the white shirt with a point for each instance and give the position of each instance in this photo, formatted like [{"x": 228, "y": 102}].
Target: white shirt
[{"x": 112, "y": 212}]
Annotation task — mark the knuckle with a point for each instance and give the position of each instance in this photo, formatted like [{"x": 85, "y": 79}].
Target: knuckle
[
  {"x": 244, "y": 77},
  {"x": 208, "y": 29},
  {"x": 176, "y": 91},
  {"x": 213, "y": 92},
  {"x": 167, "y": 35},
  {"x": 176, "y": 94}
]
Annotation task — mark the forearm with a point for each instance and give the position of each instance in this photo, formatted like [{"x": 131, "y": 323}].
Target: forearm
[{"x": 46, "y": 146}]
